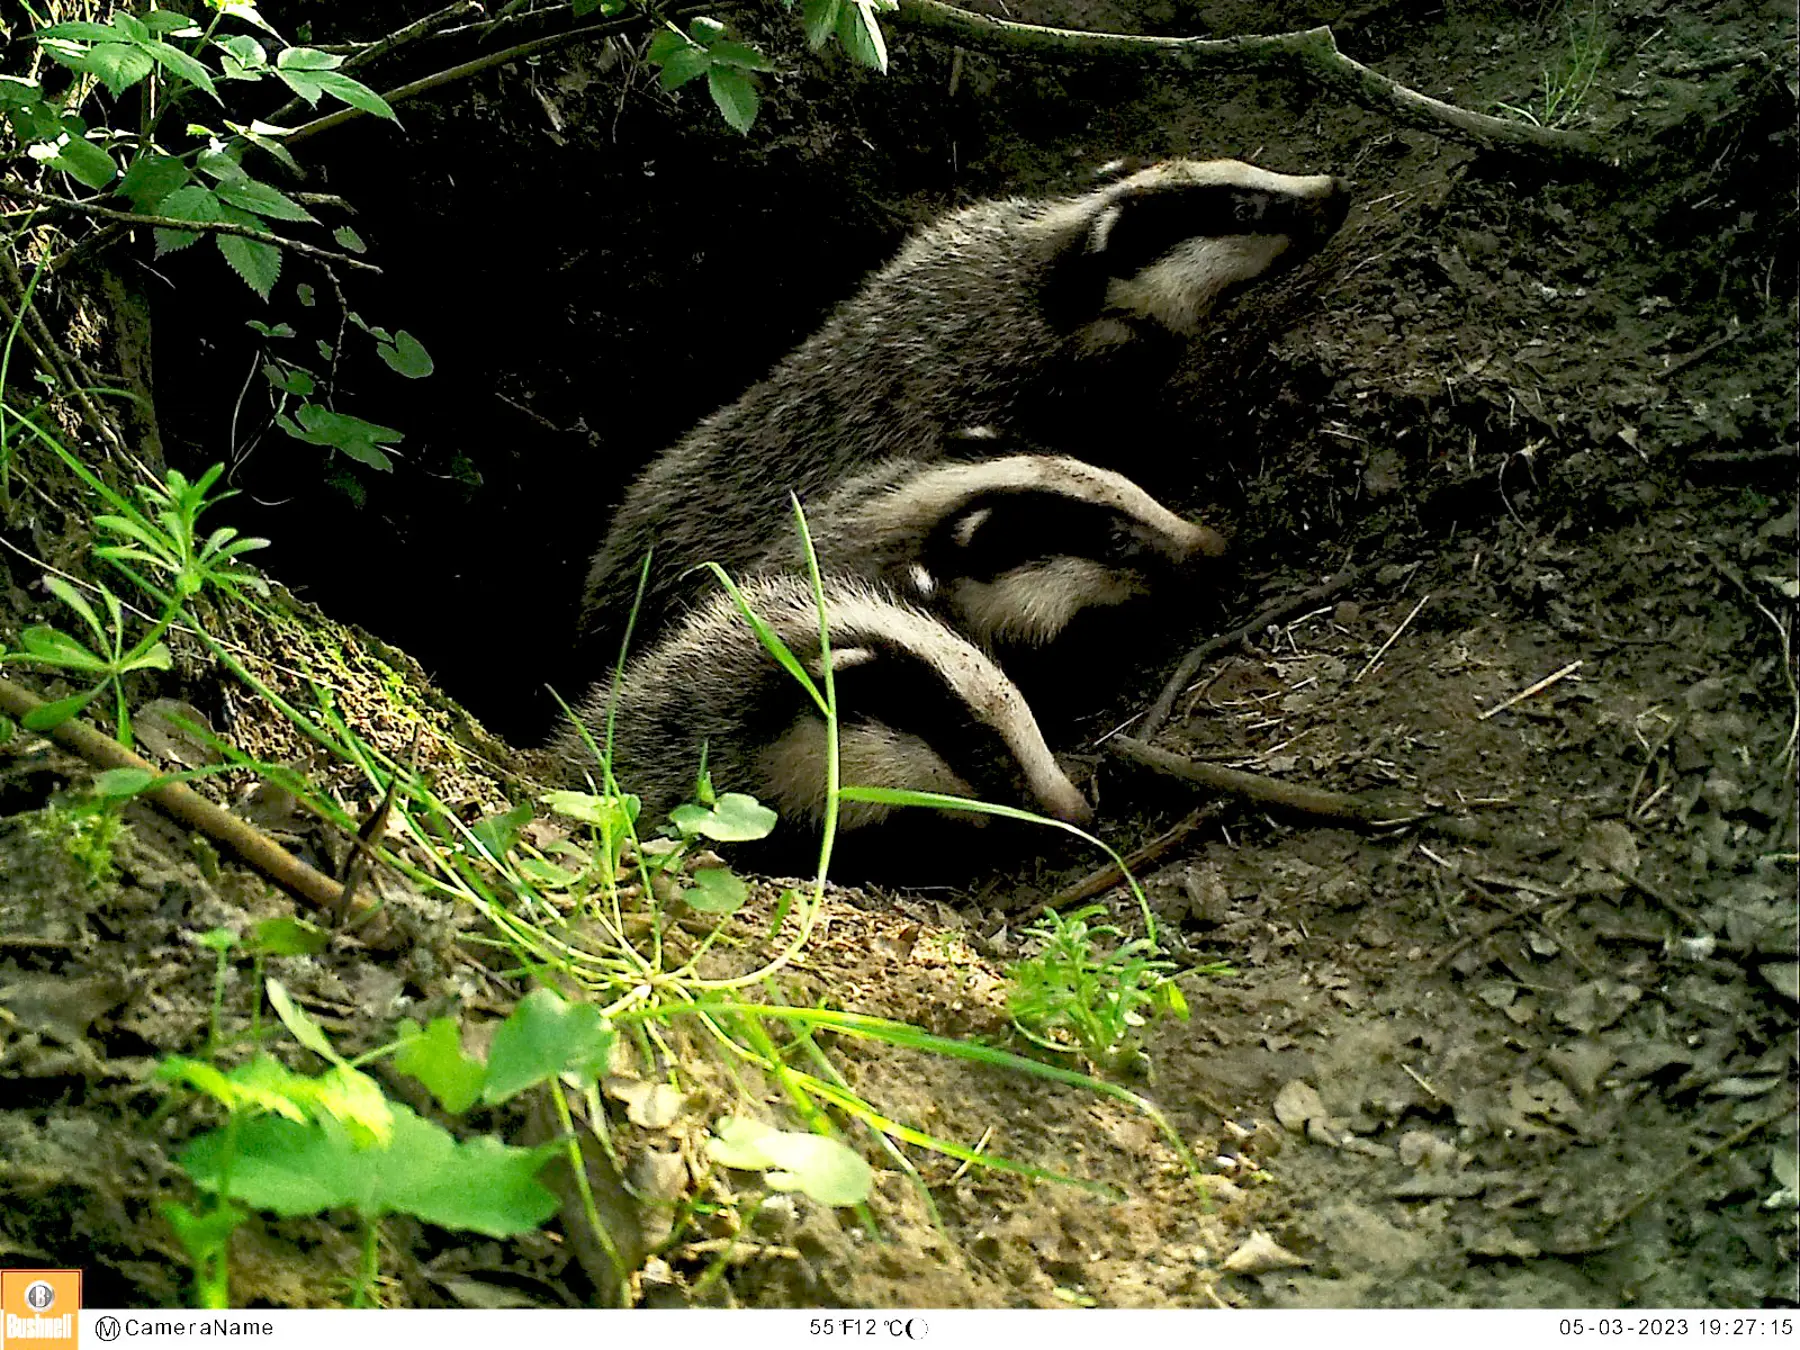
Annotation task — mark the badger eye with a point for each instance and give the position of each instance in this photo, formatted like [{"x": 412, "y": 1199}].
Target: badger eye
[
  {"x": 1249, "y": 209},
  {"x": 1122, "y": 542}
]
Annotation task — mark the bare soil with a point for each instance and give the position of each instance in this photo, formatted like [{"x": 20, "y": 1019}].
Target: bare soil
[{"x": 1550, "y": 418}]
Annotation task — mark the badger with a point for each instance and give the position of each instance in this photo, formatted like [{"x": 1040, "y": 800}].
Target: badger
[
  {"x": 1007, "y": 551},
  {"x": 919, "y": 707},
  {"x": 1001, "y": 312}
]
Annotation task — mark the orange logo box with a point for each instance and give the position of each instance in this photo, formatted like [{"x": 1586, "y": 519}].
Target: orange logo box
[{"x": 40, "y": 1309}]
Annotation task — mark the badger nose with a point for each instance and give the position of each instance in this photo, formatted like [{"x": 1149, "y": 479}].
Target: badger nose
[
  {"x": 1063, "y": 801},
  {"x": 1207, "y": 542}
]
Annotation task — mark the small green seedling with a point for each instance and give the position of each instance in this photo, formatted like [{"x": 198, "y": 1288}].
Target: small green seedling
[{"x": 1071, "y": 998}]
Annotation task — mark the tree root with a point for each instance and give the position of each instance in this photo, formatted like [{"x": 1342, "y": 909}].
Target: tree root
[
  {"x": 1311, "y": 53},
  {"x": 182, "y": 803}
]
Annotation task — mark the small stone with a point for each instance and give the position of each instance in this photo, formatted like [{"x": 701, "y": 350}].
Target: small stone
[
  {"x": 1262, "y": 1253},
  {"x": 1296, "y": 1104}
]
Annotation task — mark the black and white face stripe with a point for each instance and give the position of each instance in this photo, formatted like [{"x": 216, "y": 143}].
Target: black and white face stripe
[
  {"x": 1008, "y": 549},
  {"x": 1165, "y": 244}
]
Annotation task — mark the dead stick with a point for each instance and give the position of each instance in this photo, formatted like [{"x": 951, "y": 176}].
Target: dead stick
[
  {"x": 184, "y": 804},
  {"x": 1191, "y": 663},
  {"x": 1373, "y": 810},
  {"x": 1312, "y": 52},
  {"x": 1105, "y": 878}
]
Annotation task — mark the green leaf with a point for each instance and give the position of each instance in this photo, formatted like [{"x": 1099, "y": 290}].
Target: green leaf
[
  {"x": 611, "y": 814},
  {"x": 76, "y": 601},
  {"x": 262, "y": 1084},
  {"x": 735, "y": 818},
  {"x": 193, "y": 202},
  {"x": 219, "y": 165},
  {"x": 435, "y": 1057},
  {"x": 735, "y": 96},
  {"x": 356, "y": 94},
  {"x": 262, "y": 136},
  {"x": 727, "y": 53},
  {"x": 665, "y": 44},
  {"x": 277, "y": 330},
  {"x": 861, "y": 34},
  {"x": 180, "y": 64},
  {"x": 306, "y": 58},
  {"x": 85, "y": 162},
  {"x": 80, "y": 32},
  {"x": 288, "y": 937},
  {"x": 167, "y": 22},
  {"x": 716, "y": 890},
  {"x": 545, "y": 1036},
  {"x": 682, "y": 66},
  {"x": 50, "y": 715},
  {"x": 358, "y": 439},
  {"x": 706, "y": 31},
  {"x": 482, "y": 1185},
  {"x": 820, "y": 18},
  {"x": 150, "y": 178},
  {"x": 258, "y": 264},
  {"x": 157, "y": 658},
  {"x": 408, "y": 356},
  {"x": 117, "y": 65},
  {"x": 52, "y": 646},
  {"x": 133, "y": 28},
  {"x": 243, "y": 57},
  {"x": 263, "y": 200},
  {"x": 17, "y": 92},
  {"x": 823, "y": 1169},
  {"x": 499, "y": 833},
  {"x": 119, "y": 784},
  {"x": 300, "y": 1026},
  {"x": 296, "y": 382},
  {"x": 349, "y": 239}
]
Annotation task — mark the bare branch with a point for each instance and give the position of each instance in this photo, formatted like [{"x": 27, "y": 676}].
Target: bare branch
[
  {"x": 12, "y": 188},
  {"x": 501, "y": 58},
  {"x": 1312, "y": 53}
]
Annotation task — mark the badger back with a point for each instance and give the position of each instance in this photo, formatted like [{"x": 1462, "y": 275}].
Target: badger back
[{"x": 1007, "y": 311}]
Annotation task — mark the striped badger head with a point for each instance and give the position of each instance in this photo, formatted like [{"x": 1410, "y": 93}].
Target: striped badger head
[
  {"x": 1010, "y": 551},
  {"x": 1161, "y": 247},
  {"x": 919, "y": 707}
]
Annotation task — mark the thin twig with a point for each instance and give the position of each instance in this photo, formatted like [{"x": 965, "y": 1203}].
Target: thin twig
[
  {"x": 1312, "y": 53},
  {"x": 1105, "y": 878},
  {"x": 1393, "y": 637},
  {"x": 1371, "y": 810},
  {"x": 13, "y": 188},
  {"x": 184, "y": 804},
  {"x": 500, "y": 58},
  {"x": 1538, "y": 688},
  {"x": 1736, "y": 1139},
  {"x": 1271, "y": 614}
]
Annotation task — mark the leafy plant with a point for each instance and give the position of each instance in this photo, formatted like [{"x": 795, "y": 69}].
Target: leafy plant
[
  {"x": 295, "y": 1144},
  {"x": 205, "y": 184},
  {"x": 87, "y": 830},
  {"x": 1072, "y": 997},
  {"x": 1564, "y": 86}
]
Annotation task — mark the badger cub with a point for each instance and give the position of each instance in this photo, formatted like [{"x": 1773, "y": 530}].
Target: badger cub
[
  {"x": 1008, "y": 551},
  {"x": 919, "y": 707},
  {"x": 1004, "y": 312}
]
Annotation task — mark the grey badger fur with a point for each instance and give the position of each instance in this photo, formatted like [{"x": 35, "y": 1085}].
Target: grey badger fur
[
  {"x": 979, "y": 318},
  {"x": 916, "y": 702},
  {"x": 1007, "y": 551}
]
